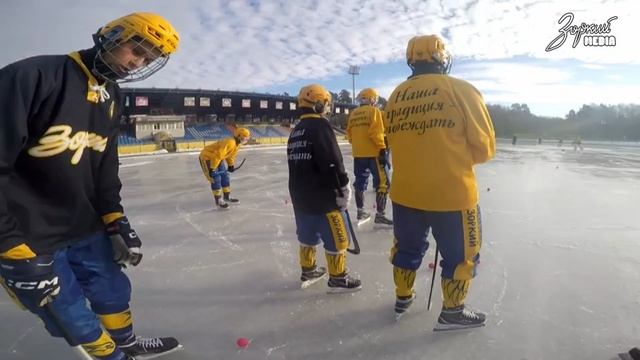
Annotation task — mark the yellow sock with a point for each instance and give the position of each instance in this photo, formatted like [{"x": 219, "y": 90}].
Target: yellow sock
[
  {"x": 307, "y": 257},
  {"x": 404, "y": 279},
  {"x": 102, "y": 347},
  {"x": 454, "y": 292},
  {"x": 336, "y": 263}
]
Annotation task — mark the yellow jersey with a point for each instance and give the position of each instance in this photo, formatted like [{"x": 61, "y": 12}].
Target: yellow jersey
[
  {"x": 438, "y": 127},
  {"x": 365, "y": 131},
  {"x": 225, "y": 149}
]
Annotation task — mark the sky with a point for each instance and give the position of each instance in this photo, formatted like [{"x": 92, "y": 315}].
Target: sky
[{"x": 277, "y": 46}]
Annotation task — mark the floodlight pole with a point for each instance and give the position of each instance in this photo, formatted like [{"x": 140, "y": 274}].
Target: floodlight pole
[{"x": 354, "y": 70}]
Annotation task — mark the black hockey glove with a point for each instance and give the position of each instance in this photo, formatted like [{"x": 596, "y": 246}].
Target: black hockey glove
[
  {"x": 125, "y": 242},
  {"x": 382, "y": 157},
  {"x": 231, "y": 168},
  {"x": 32, "y": 278}
]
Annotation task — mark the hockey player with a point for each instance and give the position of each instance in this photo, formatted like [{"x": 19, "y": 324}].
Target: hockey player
[
  {"x": 438, "y": 128},
  {"x": 218, "y": 160},
  {"x": 365, "y": 131},
  {"x": 64, "y": 238},
  {"x": 320, "y": 193}
]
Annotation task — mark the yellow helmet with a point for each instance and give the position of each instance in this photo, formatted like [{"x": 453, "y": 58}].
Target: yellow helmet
[
  {"x": 149, "y": 26},
  {"x": 428, "y": 48},
  {"x": 242, "y": 132},
  {"x": 150, "y": 36},
  {"x": 368, "y": 94},
  {"x": 315, "y": 97}
]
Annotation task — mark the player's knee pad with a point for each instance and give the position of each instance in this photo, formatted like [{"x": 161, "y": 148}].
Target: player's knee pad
[
  {"x": 336, "y": 262},
  {"x": 307, "y": 257},
  {"x": 226, "y": 189},
  {"x": 404, "y": 280},
  {"x": 454, "y": 292}
]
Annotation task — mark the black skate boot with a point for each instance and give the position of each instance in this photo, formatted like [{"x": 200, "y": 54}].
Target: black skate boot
[
  {"x": 229, "y": 199},
  {"x": 343, "y": 284},
  {"x": 363, "y": 216},
  {"x": 149, "y": 348},
  {"x": 459, "y": 318},
  {"x": 403, "y": 304},
  {"x": 633, "y": 354},
  {"x": 381, "y": 219},
  {"x": 221, "y": 203},
  {"x": 311, "y": 277}
]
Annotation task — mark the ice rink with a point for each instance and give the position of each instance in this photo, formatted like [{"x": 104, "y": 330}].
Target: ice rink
[{"x": 559, "y": 274}]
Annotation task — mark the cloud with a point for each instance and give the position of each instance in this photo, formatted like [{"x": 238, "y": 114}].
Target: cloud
[{"x": 246, "y": 45}]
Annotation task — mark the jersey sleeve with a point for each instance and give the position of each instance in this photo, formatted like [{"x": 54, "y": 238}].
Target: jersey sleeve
[
  {"x": 22, "y": 90},
  {"x": 328, "y": 157},
  {"x": 109, "y": 184},
  {"x": 349, "y": 128},
  {"x": 376, "y": 129},
  {"x": 232, "y": 150},
  {"x": 480, "y": 134}
]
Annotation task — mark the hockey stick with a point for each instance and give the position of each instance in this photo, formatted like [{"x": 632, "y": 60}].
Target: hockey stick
[
  {"x": 241, "y": 163},
  {"x": 82, "y": 352},
  {"x": 433, "y": 277},
  {"x": 356, "y": 245}
]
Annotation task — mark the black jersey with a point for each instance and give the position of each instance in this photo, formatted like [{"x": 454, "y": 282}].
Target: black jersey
[
  {"x": 58, "y": 151},
  {"x": 316, "y": 169}
]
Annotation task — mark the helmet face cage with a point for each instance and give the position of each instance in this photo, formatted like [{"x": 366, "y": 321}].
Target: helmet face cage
[{"x": 111, "y": 43}]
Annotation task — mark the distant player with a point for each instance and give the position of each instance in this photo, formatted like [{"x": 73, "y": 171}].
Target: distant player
[
  {"x": 218, "y": 160},
  {"x": 438, "y": 128},
  {"x": 64, "y": 238},
  {"x": 365, "y": 132},
  {"x": 320, "y": 193}
]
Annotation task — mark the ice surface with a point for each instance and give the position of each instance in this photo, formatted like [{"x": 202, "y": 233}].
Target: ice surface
[{"x": 559, "y": 275}]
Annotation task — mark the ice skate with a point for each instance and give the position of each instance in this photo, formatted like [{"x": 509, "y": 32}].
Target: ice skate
[
  {"x": 382, "y": 220},
  {"x": 459, "y": 318},
  {"x": 362, "y": 217},
  {"x": 221, "y": 203},
  {"x": 311, "y": 277},
  {"x": 149, "y": 348},
  {"x": 402, "y": 305},
  {"x": 229, "y": 199},
  {"x": 633, "y": 354},
  {"x": 343, "y": 284}
]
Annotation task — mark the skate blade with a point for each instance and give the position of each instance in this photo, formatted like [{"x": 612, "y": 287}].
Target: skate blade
[
  {"x": 305, "y": 284},
  {"x": 452, "y": 327},
  {"x": 625, "y": 356},
  {"x": 343, "y": 290},
  {"x": 399, "y": 316},
  {"x": 363, "y": 221},
  {"x": 153, "y": 356}
]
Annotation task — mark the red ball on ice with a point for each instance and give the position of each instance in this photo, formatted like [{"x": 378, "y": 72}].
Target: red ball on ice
[
  {"x": 242, "y": 342},
  {"x": 432, "y": 265}
]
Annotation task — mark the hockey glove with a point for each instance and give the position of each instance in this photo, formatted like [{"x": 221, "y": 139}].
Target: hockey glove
[
  {"x": 125, "y": 242},
  {"x": 231, "y": 168},
  {"x": 382, "y": 158},
  {"x": 32, "y": 278},
  {"x": 343, "y": 197}
]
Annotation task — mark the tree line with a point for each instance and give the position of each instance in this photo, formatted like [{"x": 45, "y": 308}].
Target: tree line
[{"x": 593, "y": 121}]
